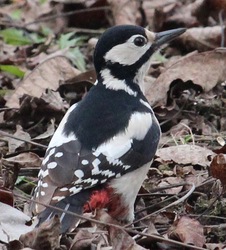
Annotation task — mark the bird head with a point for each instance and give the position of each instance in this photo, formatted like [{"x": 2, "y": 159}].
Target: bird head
[{"x": 123, "y": 52}]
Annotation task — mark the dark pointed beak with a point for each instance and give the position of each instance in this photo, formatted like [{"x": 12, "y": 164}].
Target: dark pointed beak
[{"x": 167, "y": 36}]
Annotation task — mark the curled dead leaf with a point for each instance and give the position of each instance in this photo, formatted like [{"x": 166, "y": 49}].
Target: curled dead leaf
[
  {"x": 202, "y": 38},
  {"x": 6, "y": 196},
  {"x": 15, "y": 143},
  {"x": 24, "y": 160},
  {"x": 119, "y": 238},
  {"x": 185, "y": 154},
  {"x": 124, "y": 11},
  {"x": 47, "y": 75},
  {"x": 218, "y": 168},
  {"x": 13, "y": 223},
  {"x": 204, "y": 69},
  {"x": 209, "y": 8},
  {"x": 83, "y": 240},
  {"x": 46, "y": 236},
  {"x": 75, "y": 88},
  {"x": 188, "y": 231}
]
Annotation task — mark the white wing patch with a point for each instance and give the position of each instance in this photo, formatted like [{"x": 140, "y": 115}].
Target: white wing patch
[
  {"x": 138, "y": 126},
  {"x": 86, "y": 169},
  {"x": 59, "y": 138}
]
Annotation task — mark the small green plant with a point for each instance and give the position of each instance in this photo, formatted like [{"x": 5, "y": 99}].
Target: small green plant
[
  {"x": 73, "y": 53},
  {"x": 13, "y": 70},
  {"x": 18, "y": 37}
]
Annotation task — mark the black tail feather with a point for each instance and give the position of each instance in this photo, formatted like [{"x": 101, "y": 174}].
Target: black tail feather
[{"x": 73, "y": 204}]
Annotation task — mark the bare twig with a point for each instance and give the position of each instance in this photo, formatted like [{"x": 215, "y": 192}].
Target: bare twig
[
  {"x": 155, "y": 237},
  {"x": 221, "y": 13},
  {"x": 69, "y": 13},
  {"x": 20, "y": 139},
  {"x": 168, "y": 206},
  {"x": 192, "y": 135}
]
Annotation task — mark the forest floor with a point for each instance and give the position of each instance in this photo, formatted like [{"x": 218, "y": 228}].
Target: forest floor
[{"x": 46, "y": 50}]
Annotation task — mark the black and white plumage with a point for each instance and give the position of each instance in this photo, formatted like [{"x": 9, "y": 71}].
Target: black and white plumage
[{"x": 106, "y": 142}]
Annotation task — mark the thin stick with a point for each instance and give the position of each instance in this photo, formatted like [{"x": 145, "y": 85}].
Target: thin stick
[
  {"x": 155, "y": 237},
  {"x": 69, "y": 13},
  {"x": 168, "y": 206},
  {"x": 20, "y": 139},
  {"x": 222, "y": 27}
]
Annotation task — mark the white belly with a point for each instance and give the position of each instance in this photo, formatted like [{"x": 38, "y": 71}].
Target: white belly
[{"x": 128, "y": 187}]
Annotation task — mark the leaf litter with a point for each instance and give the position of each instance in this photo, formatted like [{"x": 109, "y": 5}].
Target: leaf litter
[{"x": 185, "y": 85}]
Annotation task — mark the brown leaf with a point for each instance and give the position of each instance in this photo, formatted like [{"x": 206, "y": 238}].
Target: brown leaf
[
  {"x": 13, "y": 144},
  {"x": 119, "y": 238},
  {"x": 171, "y": 181},
  {"x": 173, "y": 12},
  {"x": 48, "y": 133},
  {"x": 24, "y": 160},
  {"x": 75, "y": 88},
  {"x": 82, "y": 240},
  {"x": 202, "y": 38},
  {"x": 10, "y": 172},
  {"x": 46, "y": 75},
  {"x": 213, "y": 63},
  {"x": 185, "y": 154},
  {"x": 46, "y": 236},
  {"x": 215, "y": 246},
  {"x": 124, "y": 11},
  {"x": 209, "y": 8},
  {"x": 218, "y": 168},
  {"x": 13, "y": 223},
  {"x": 6, "y": 196},
  {"x": 188, "y": 231},
  {"x": 221, "y": 150}
]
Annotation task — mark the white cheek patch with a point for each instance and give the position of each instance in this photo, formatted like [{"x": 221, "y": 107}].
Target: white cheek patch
[{"x": 127, "y": 53}]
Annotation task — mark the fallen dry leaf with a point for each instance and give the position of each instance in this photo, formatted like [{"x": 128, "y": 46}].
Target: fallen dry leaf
[
  {"x": 151, "y": 8},
  {"x": 171, "y": 181},
  {"x": 202, "y": 38},
  {"x": 196, "y": 179},
  {"x": 13, "y": 223},
  {"x": 209, "y": 8},
  {"x": 31, "y": 10},
  {"x": 24, "y": 160},
  {"x": 185, "y": 154},
  {"x": 119, "y": 238},
  {"x": 14, "y": 143},
  {"x": 47, "y": 75},
  {"x": 221, "y": 150},
  {"x": 48, "y": 133},
  {"x": 6, "y": 196},
  {"x": 215, "y": 246},
  {"x": 188, "y": 231},
  {"x": 83, "y": 240},
  {"x": 124, "y": 11},
  {"x": 75, "y": 88},
  {"x": 174, "y": 12},
  {"x": 218, "y": 168},
  {"x": 212, "y": 63},
  {"x": 46, "y": 236}
]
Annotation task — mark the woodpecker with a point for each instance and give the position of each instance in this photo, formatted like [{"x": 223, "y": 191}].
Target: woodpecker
[{"x": 102, "y": 149}]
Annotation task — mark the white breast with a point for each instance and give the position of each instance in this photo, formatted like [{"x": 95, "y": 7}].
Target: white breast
[{"x": 128, "y": 187}]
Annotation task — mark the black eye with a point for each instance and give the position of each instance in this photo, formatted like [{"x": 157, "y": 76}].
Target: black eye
[{"x": 139, "y": 41}]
